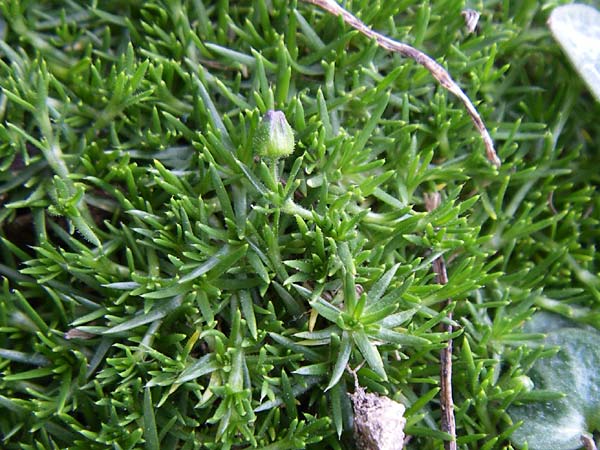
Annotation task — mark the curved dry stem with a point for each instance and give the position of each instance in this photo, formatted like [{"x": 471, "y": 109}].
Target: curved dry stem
[{"x": 438, "y": 72}]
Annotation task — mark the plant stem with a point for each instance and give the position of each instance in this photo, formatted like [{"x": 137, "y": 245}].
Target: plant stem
[
  {"x": 438, "y": 72},
  {"x": 432, "y": 201},
  {"x": 588, "y": 442}
]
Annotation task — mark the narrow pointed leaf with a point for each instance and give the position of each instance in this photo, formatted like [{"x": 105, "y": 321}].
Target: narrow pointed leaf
[
  {"x": 342, "y": 360},
  {"x": 394, "y": 337},
  {"x": 219, "y": 262},
  {"x": 369, "y": 352},
  {"x": 203, "y": 366},
  {"x": 150, "y": 432},
  {"x": 379, "y": 288},
  {"x": 142, "y": 319}
]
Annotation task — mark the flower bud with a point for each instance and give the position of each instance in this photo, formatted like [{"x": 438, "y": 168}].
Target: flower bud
[
  {"x": 522, "y": 383},
  {"x": 274, "y": 137}
]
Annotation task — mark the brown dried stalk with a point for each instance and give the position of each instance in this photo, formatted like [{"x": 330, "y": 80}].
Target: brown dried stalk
[
  {"x": 432, "y": 201},
  {"x": 588, "y": 442},
  {"x": 438, "y": 72}
]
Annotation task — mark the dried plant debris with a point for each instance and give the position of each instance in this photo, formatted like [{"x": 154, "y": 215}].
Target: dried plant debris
[
  {"x": 588, "y": 442},
  {"x": 471, "y": 19},
  {"x": 448, "y": 421},
  {"x": 434, "y": 68},
  {"x": 378, "y": 421}
]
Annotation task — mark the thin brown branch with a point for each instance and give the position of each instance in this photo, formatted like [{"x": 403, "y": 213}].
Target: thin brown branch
[
  {"x": 432, "y": 201},
  {"x": 436, "y": 70},
  {"x": 588, "y": 442}
]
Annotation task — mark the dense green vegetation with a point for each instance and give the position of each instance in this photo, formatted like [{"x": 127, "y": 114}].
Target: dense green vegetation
[{"x": 165, "y": 287}]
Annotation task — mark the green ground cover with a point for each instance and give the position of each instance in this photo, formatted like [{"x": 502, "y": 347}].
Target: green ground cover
[{"x": 166, "y": 287}]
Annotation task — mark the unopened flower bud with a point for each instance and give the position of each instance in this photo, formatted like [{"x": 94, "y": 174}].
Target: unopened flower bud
[
  {"x": 274, "y": 137},
  {"x": 523, "y": 383}
]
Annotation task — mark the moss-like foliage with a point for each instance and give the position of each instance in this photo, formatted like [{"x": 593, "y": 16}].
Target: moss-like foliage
[{"x": 165, "y": 287}]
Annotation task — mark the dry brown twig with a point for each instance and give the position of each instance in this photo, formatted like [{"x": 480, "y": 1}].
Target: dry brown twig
[
  {"x": 438, "y": 72},
  {"x": 432, "y": 201},
  {"x": 588, "y": 442}
]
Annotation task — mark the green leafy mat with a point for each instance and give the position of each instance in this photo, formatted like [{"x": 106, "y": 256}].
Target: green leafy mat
[{"x": 165, "y": 288}]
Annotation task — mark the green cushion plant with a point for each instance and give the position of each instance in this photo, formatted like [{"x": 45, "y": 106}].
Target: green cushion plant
[{"x": 169, "y": 283}]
